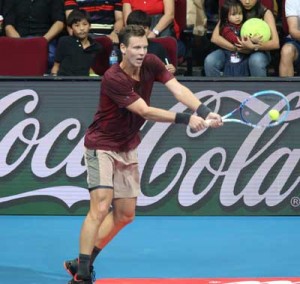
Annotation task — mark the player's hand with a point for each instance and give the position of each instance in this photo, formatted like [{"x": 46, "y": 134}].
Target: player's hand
[
  {"x": 214, "y": 120},
  {"x": 197, "y": 123}
]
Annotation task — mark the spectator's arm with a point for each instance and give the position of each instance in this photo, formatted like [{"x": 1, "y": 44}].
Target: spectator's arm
[
  {"x": 117, "y": 26},
  {"x": 55, "y": 30},
  {"x": 230, "y": 35},
  {"x": 293, "y": 27},
  {"x": 55, "y": 69},
  {"x": 126, "y": 11},
  {"x": 220, "y": 41},
  {"x": 171, "y": 68},
  {"x": 9, "y": 18},
  {"x": 273, "y": 43},
  {"x": 166, "y": 19},
  {"x": 10, "y": 31},
  {"x": 68, "y": 12},
  {"x": 69, "y": 6}
]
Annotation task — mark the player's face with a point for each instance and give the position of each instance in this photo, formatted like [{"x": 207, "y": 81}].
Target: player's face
[
  {"x": 235, "y": 15},
  {"x": 81, "y": 29},
  {"x": 248, "y": 4},
  {"x": 136, "y": 51}
]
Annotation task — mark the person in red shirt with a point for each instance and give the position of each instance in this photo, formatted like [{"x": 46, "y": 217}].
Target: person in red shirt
[
  {"x": 161, "y": 12},
  {"x": 112, "y": 139},
  {"x": 231, "y": 20},
  {"x": 106, "y": 16}
]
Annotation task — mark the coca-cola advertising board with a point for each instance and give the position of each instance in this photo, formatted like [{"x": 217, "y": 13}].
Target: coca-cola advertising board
[{"x": 232, "y": 170}]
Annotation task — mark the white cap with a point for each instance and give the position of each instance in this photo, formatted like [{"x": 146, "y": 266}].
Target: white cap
[{"x": 1, "y": 18}]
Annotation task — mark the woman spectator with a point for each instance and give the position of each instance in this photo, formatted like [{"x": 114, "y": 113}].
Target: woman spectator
[
  {"x": 161, "y": 12},
  {"x": 259, "y": 55}
]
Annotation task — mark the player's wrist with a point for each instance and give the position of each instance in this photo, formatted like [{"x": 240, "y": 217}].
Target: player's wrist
[
  {"x": 182, "y": 118},
  {"x": 203, "y": 111}
]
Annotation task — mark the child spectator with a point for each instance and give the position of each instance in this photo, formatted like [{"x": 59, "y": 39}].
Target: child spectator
[
  {"x": 231, "y": 18},
  {"x": 138, "y": 17},
  {"x": 259, "y": 53},
  {"x": 75, "y": 54}
]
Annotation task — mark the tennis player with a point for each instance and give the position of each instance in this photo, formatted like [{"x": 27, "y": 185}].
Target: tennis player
[{"x": 112, "y": 139}]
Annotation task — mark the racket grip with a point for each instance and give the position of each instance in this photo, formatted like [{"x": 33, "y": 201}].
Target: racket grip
[{"x": 208, "y": 123}]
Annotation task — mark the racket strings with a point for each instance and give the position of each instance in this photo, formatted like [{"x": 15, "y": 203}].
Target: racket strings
[{"x": 256, "y": 109}]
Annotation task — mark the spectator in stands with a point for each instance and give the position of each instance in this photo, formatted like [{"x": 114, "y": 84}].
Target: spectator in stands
[
  {"x": 231, "y": 19},
  {"x": 290, "y": 51},
  {"x": 1, "y": 18},
  {"x": 162, "y": 18},
  {"x": 106, "y": 16},
  {"x": 33, "y": 19},
  {"x": 196, "y": 16},
  {"x": 259, "y": 56},
  {"x": 138, "y": 17},
  {"x": 161, "y": 13},
  {"x": 75, "y": 54}
]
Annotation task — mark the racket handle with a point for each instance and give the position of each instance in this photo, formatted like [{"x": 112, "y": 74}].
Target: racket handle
[{"x": 208, "y": 122}]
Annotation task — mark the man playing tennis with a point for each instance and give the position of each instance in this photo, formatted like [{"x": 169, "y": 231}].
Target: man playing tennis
[{"x": 112, "y": 139}]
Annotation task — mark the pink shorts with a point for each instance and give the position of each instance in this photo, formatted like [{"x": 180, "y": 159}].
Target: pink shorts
[{"x": 113, "y": 170}]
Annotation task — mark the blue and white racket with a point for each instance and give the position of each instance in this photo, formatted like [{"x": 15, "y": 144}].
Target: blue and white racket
[{"x": 261, "y": 110}]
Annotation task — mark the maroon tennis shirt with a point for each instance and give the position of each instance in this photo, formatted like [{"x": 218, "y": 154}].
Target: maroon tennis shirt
[{"x": 114, "y": 127}]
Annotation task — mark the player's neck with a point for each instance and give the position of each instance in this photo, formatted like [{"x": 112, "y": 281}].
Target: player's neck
[{"x": 130, "y": 70}]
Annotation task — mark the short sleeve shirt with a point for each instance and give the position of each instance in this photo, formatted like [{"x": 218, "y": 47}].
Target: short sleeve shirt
[
  {"x": 33, "y": 18},
  {"x": 73, "y": 58},
  {"x": 151, "y": 7},
  {"x": 114, "y": 127},
  {"x": 102, "y": 13},
  {"x": 292, "y": 9}
]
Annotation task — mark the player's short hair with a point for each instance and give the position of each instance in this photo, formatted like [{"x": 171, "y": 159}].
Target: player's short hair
[
  {"x": 139, "y": 17},
  {"x": 76, "y": 16},
  {"x": 130, "y": 31}
]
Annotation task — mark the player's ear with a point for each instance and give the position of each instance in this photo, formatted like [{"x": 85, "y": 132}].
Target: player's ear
[{"x": 123, "y": 48}]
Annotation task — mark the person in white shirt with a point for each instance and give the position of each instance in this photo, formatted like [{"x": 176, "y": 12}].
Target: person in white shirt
[{"x": 290, "y": 51}]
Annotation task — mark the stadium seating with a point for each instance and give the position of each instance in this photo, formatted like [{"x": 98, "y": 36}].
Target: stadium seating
[
  {"x": 23, "y": 56},
  {"x": 102, "y": 59},
  {"x": 170, "y": 45},
  {"x": 186, "y": 34}
]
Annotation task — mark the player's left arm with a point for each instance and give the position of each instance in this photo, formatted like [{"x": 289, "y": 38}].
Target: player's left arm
[{"x": 186, "y": 97}]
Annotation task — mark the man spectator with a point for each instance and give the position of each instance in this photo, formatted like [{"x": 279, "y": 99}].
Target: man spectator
[
  {"x": 290, "y": 51},
  {"x": 106, "y": 16},
  {"x": 34, "y": 18}
]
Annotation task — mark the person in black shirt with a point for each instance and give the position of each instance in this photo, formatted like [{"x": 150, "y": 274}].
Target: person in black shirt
[
  {"x": 34, "y": 18},
  {"x": 75, "y": 54},
  {"x": 139, "y": 17}
]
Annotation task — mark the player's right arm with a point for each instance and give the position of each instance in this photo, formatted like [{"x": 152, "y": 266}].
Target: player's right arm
[{"x": 160, "y": 115}]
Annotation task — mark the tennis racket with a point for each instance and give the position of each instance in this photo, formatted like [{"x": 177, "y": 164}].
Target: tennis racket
[{"x": 258, "y": 110}]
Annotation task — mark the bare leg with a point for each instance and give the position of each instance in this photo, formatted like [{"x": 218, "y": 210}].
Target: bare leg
[
  {"x": 287, "y": 57},
  {"x": 122, "y": 214},
  {"x": 100, "y": 201}
]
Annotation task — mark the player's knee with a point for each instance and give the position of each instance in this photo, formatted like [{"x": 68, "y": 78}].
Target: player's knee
[
  {"x": 125, "y": 217},
  {"x": 99, "y": 212}
]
